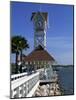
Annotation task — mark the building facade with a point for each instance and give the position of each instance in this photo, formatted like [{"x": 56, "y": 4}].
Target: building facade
[{"x": 39, "y": 57}]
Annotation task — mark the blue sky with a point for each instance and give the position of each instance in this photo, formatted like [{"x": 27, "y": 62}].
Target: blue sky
[{"x": 59, "y": 33}]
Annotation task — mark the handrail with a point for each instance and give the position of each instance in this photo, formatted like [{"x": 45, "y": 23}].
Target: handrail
[
  {"x": 18, "y": 82},
  {"x": 22, "y": 86},
  {"x": 16, "y": 76}
]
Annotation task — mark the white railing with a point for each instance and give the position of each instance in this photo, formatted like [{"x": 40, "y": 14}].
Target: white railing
[
  {"x": 16, "y": 76},
  {"x": 22, "y": 87}
]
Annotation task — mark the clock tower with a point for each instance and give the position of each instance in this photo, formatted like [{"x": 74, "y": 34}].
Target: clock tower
[{"x": 40, "y": 25}]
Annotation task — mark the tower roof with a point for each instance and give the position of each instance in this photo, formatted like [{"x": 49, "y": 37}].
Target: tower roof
[
  {"x": 44, "y": 14},
  {"x": 39, "y": 54}
]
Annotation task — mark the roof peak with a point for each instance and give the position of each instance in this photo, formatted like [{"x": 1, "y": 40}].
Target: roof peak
[{"x": 39, "y": 47}]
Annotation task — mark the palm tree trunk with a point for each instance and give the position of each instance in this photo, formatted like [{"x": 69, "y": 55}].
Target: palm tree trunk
[
  {"x": 16, "y": 69},
  {"x": 21, "y": 62}
]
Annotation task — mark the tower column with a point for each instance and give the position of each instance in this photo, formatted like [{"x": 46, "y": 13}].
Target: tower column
[{"x": 40, "y": 25}]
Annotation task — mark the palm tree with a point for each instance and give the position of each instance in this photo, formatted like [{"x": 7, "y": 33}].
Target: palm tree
[
  {"x": 23, "y": 45},
  {"x": 18, "y": 44},
  {"x": 15, "y": 49}
]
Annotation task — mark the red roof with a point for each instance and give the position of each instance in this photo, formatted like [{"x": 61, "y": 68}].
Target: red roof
[{"x": 39, "y": 54}]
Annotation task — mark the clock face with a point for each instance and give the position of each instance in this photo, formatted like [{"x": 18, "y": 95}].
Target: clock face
[{"x": 39, "y": 23}]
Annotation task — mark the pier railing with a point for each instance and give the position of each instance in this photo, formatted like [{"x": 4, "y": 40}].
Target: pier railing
[
  {"x": 24, "y": 86},
  {"x": 16, "y": 76}
]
